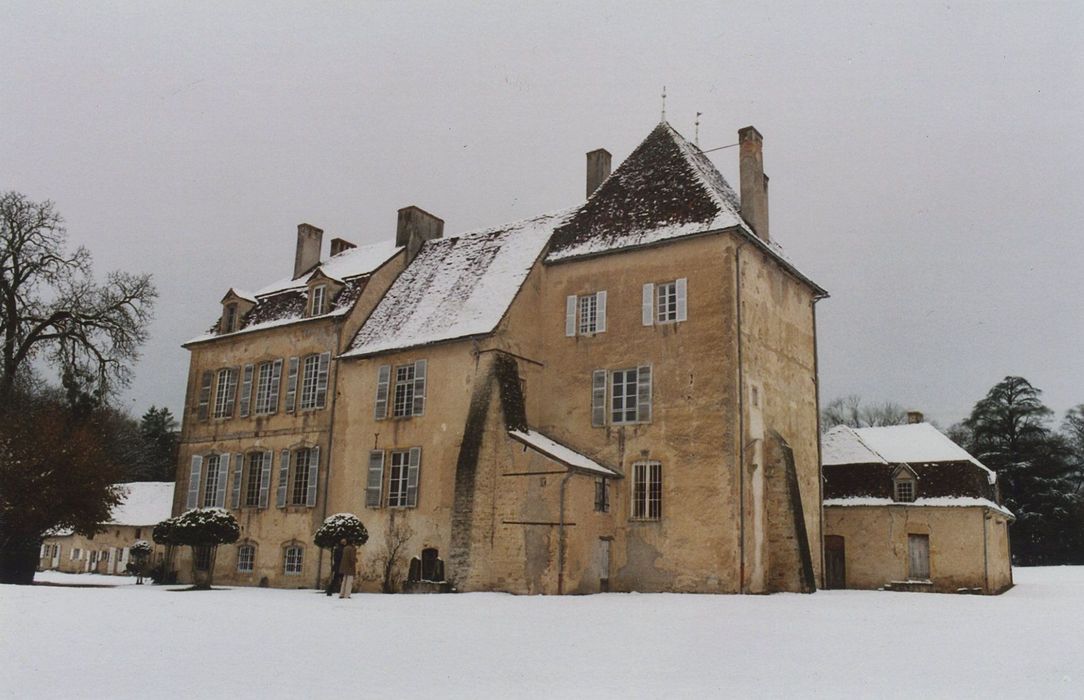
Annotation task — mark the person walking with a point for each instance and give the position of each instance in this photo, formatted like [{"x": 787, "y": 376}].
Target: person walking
[
  {"x": 347, "y": 567},
  {"x": 336, "y": 578}
]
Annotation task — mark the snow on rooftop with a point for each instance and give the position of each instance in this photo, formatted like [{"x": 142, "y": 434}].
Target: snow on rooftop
[
  {"x": 558, "y": 452},
  {"x": 841, "y": 445},
  {"x": 455, "y": 287},
  {"x": 916, "y": 443},
  {"x": 147, "y": 503},
  {"x": 934, "y": 501},
  {"x": 362, "y": 260}
]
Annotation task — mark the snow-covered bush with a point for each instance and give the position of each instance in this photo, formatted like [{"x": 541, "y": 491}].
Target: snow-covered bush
[
  {"x": 141, "y": 549},
  {"x": 203, "y": 527},
  {"x": 165, "y": 532},
  {"x": 338, "y": 527}
]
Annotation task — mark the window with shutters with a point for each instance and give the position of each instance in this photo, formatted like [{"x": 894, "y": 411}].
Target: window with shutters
[
  {"x": 646, "y": 491},
  {"x": 403, "y": 398},
  {"x": 318, "y": 300},
  {"x": 402, "y": 477},
  {"x": 225, "y": 388},
  {"x": 301, "y": 472},
  {"x": 254, "y": 466},
  {"x": 397, "y": 480},
  {"x": 293, "y": 560},
  {"x": 210, "y": 480},
  {"x": 629, "y": 400},
  {"x": 309, "y": 372},
  {"x": 602, "y": 495},
  {"x": 585, "y": 314},
  {"x": 588, "y": 314},
  {"x": 265, "y": 400},
  {"x": 665, "y": 302},
  {"x": 623, "y": 396},
  {"x": 246, "y": 558}
]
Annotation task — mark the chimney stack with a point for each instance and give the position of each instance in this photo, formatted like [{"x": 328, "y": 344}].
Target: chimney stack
[
  {"x": 338, "y": 245},
  {"x": 309, "y": 241},
  {"x": 415, "y": 226},
  {"x": 915, "y": 417},
  {"x": 598, "y": 169},
  {"x": 754, "y": 183}
]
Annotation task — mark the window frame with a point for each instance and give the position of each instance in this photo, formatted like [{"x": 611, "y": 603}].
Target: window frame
[
  {"x": 405, "y": 383},
  {"x": 225, "y": 393},
  {"x": 901, "y": 483},
  {"x": 209, "y": 489},
  {"x": 602, "y": 494},
  {"x": 646, "y": 491},
  {"x": 293, "y": 564},
  {"x": 666, "y": 311},
  {"x": 299, "y": 480},
  {"x": 586, "y": 314},
  {"x": 625, "y": 396},
  {"x": 318, "y": 300},
  {"x": 243, "y": 549},
  {"x": 310, "y": 382},
  {"x": 229, "y": 318},
  {"x": 397, "y": 485},
  {"x": 265, "y": 373},
  {"x": 250, "y": 498}
]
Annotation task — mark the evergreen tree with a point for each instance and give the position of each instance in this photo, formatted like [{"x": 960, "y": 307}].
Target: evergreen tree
[{"x": 158, "y": 428}]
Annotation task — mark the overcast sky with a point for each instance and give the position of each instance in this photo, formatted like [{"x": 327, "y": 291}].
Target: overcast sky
[{"x": 927, "y": 163}]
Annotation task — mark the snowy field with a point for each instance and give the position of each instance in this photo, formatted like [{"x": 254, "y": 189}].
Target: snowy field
[{"x": 133, "y": 641}]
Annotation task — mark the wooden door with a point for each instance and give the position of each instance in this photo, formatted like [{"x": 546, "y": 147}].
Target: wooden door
[
  {"x": 835, "y": 562},
  {"x": 918, "y": 548}
]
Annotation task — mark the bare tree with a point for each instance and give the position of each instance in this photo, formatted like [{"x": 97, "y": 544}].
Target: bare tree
[
  {"x": 850, "y": 411},
  {"x": 51, "y": 306},
  {"x": 386, "y": 565}
]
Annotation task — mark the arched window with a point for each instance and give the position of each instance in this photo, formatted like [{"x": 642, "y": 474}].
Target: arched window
[
  {"x": 293, "y": 560},
  {"x": 246, "y": 558}
]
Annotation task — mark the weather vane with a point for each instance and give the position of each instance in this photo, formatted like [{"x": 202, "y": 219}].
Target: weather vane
[
  {"x": 697, "y": 139},
  {"x": 664, "y": 103}
]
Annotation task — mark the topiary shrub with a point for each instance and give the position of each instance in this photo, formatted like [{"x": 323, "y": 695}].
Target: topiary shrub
[
  {"x": 141, "y": 553},
  {"x": 202, "y": 529},
  {"x": 338, "y": 527}
]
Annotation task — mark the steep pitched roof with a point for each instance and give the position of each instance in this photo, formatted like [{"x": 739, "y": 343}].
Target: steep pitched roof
[
  {"x": 917, "y": 443},
  {"x": 456, "y": 287}
]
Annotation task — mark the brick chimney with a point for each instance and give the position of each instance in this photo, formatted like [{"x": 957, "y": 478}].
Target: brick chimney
[
  {"x": 415, "y": 226},
  {"x": 915, "y": 417},
  {"x": 309, "y": 241},
  {"x": 598, "y": 169},
  {"x": 754, "y": 183},
  {"x": 338, "y": 245}
]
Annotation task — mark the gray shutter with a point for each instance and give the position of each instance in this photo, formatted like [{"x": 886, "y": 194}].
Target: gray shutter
[
  {"x": 598, "y": 398},
  {"x": 265, "y": 477},
  {"x": 223, "y": 477},
  {"x": 284, "y": 476},
  {"x": 643, "y": 394},
  {"x": 375, "y": 480},
  {"x": 193, "y": 482},
  {"x": 682, "y": 286},
  {"x": 321, "y": 379},
  {"x": 314, "y": 476},
  {"x": 649, "y": 304},
  {"x": 383, "y": 378},
  {"x": 419, "y": 388},
  {"x": 276, "y": 381},
  {"x": 231, "y": 390},
  {"x": 238, "y": 468},
  {"x": 291, "y": 385},
  {"x": 413, "y": 467},
  {"x": 570, "y": 316},
  {"x": 600, "y": 311},
  {"x": 246, "y": 390},
  {"x": 205, "y": 395}
]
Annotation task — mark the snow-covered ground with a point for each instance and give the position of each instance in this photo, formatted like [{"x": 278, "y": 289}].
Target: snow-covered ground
[{"x": 146, "y": 641}]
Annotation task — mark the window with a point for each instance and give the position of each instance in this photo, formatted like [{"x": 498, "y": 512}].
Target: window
[
  {"x": 309, "y": 374},
  {"x": 210, "y": 481},
  {"x": 403, "y": 387},
  {"x": 402, "y": 486},
  {"x": 225, "y": 388},
  {"x": 294, "y": 558},
  {"x": 905, "y": 490},
  {"x": 302, "y": 465},
  {"x": 296, "y": 488},
  {"x": 630, "y": 396},
  {"x": 317, "y": 305},
  {"x": 403, "y": 403},
  {"x": 602, "y": 495},
  {"x": 623, "y": 396},
  {"x": 139, "y": 533},
  {"x": 246, "y": 557},
  {"x": 253, "y": 476},
  {"x": 585, "y": 314},
  {"x": 666, "y": 302},
  {"x": 314, "y": 375},
  {"x": 646, "y": 490},
  {"x": 397, "y": 481},
  {"x": 229, "y": 320}
]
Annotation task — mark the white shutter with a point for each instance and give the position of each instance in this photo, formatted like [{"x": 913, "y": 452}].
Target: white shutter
[
  {"x": 238, "y": 468},
  {"x": 413, "y": 467},
  {"x": 419, "y": 388},
  {"x": 284, "y": 476},
  {"x": 682, "y": 292},
  {"x": 383, "y": 378},
  {"x": 375, "y": 480},
  {"x": 204, "y": 409},
  {"x": 314, "y": 476},
  {"x": 223, "y": 477},
  {"x": 570, "y": 316},
  {"x": 193, "y": 482},
  {"x": 246, "y": 390},
  {"x": 276, "y": 381},
  {"x": 291, "y": 385},
  {"x": 643, "y": 394},
  {"x": 321, "y": 379},
  {"x": 598, "y": 398},
  {"x": 600, "y": 311},
  {"x": 265, "y": 477},
  {"x": 649, "y": 304}
]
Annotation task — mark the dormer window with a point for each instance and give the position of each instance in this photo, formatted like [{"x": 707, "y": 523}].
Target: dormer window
[
  {"x": 229, "y": 318},
  {"x": 904, "y": 489},
  {"x": 318, "y": 300}
]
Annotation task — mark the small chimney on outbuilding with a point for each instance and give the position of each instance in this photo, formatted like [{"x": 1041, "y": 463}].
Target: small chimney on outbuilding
[
  {"x": 915, "y": 417},
  {"x": 598, "y": 169},
  {"x": 309, "y": 241},
  {"x": 754, "y": 183},
  {"x": 338, "y": 245},
  {"x": 416, "y": 226}
]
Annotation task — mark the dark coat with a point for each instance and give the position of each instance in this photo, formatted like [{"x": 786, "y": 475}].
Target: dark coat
[{"x": 349, "y": 562}]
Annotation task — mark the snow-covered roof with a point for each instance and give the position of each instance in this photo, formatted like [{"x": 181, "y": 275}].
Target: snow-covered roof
[
  {"x": 147, "y": 503},
  {"x": 936, "y": 501},
  {"x": 456, "y": 287},
  {"x": 559, "y": 453},
  {"x": 916, "y": 443},
  {"x": 283, "y": 302}
]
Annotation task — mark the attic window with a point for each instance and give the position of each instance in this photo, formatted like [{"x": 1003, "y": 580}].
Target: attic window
[
  {"x": 904, "y": 490},
  {"x": 229, "y": 318},
  {"x": 318, "y": 300}
]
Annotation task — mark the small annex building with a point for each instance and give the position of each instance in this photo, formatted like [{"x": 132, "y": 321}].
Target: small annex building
[
  {"x": 146, "y": 504},
  {"x": 906, "y": 508}
]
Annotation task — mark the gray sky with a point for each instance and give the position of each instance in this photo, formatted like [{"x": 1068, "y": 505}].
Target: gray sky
[{"x": 927, "y": 163}]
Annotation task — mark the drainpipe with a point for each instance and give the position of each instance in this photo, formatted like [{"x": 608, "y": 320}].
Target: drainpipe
[
  {"x": 561, "y": 537},
  {"x": 741, "y": 422},
  {"x": 330, "y": 441},
  {"x": 985, "y": 554}
]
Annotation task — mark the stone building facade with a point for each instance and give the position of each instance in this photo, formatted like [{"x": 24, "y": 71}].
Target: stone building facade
[
  {"x": 617, "y": 396},
  {"x": 906, "y": 508}
]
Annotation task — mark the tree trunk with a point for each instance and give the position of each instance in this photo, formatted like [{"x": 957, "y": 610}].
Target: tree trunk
[{"x": 18, "y": 562}]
